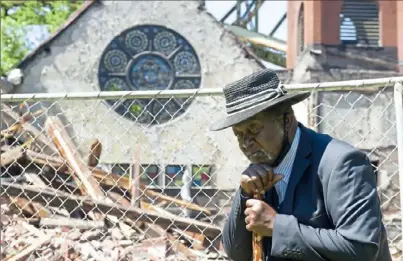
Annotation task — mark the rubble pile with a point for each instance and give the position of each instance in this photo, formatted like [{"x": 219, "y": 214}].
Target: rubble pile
[{"x": 57, "y": 206}]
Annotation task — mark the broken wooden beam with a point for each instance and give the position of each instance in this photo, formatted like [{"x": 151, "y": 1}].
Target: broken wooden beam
[
  {"x": 23, "y": 205},
  {"x": 176, "y": 244},
  {"x": 110, "y": 179},
  {"x": 135, "y": 177},
  {"x": 189, "y": 253},
  {"x": 58, "y": 221},
  {"x": 11, "y": 155},
  {"x": 179, "y": 202},
  {"x": 67, "y": 149},
  {"x": 180, "y": 232},
  {"x": 57, "y": 199},
  {"x": 115, "y": 180},
  {"x": 28, "y": 131},
  {"x": 44, "y": 159},
  {"x": 95, "y": 153}
]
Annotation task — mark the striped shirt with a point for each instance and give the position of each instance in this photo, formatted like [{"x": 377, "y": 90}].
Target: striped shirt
[{"x": 285, "y": 167}]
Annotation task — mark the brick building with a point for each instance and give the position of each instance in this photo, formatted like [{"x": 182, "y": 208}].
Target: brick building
[
  {"x": 352, "y": 40},
  {"x": 375, "y": 25}
]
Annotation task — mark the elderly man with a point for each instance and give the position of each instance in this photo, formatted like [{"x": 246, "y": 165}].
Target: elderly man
[{"x": 325, "y": 206}]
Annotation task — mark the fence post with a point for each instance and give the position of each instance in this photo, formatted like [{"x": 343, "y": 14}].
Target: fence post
[{"x": 398, "y": 95}]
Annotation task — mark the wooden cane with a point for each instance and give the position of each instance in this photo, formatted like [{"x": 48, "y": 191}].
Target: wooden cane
[
  {"x": 257, "y": 240},
  {"x": 257, "y": 244}
]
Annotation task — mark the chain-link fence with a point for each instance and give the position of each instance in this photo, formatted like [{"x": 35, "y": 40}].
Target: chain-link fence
[{"x": 138, "y": 176}]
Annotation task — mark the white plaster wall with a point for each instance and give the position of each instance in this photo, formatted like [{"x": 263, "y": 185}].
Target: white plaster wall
[{"x": 72, "y": 65}]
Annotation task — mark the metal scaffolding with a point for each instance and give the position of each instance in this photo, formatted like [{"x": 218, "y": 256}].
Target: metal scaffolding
[{"x": 246, "y": 27}]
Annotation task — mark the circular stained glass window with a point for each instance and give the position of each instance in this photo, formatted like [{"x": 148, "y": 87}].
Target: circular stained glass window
[{"x": 149, "y": 57}]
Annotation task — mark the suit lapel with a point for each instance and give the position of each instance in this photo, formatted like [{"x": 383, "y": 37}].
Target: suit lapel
[{"x": 301, "y": 163}]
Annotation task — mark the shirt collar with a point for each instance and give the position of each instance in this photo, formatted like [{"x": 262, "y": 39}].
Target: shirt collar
[{"x": 285, "y": 167}]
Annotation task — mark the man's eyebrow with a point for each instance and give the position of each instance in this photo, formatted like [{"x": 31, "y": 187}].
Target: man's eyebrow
[{"x": 255, "y": 121}]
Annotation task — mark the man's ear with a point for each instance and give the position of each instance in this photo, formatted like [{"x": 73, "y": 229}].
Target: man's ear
[{"x": 288, "y": 120}]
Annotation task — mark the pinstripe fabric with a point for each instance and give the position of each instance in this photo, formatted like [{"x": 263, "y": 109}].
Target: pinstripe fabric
[{"x": 285, "y": 167}]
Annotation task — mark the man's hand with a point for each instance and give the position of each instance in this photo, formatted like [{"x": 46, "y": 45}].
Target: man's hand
[
  {"x": 258, "y": 178},
  {"x": 259, "y": 217}
]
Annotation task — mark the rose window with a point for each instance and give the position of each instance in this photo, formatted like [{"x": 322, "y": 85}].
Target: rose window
[{"x": 149, "y": 57}]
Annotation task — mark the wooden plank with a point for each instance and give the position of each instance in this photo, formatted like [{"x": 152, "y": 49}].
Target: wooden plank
[
  {"x": 95, "y": 153},
  {"x": 11, "y": 155},
  {"x": 34, "y": 179},
  {"x": 197, "y": 245},
  {"x": 70, "y": 223},
  {"x": 115, "y": 180},
  {"x": 179, "y": 202},
  {"x": 187, "y": 252},
  {"x": 176, "y": 244},
  {"x": 44, "y": 159},
  {"x": 67, "y": 149},
  {"x": 40, "y": 210},
  {"x": 23, "y": 205},
  {"x": 135, "y": 177},
  {"x": 70, "y": 202},
  {"x": 121, "y": 200}
]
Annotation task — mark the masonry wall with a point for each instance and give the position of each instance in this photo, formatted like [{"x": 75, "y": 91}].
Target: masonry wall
[{"x": 71, "y": 65}]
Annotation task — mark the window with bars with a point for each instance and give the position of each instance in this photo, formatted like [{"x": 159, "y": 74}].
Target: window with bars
[
  {"x": 152, "y": 175},
  {"x": 148, "y": 173},
  {"x": 359, "y": 23}
]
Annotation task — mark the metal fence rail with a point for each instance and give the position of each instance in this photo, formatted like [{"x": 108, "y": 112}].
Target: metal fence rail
[{"x": 138, "y": 175}]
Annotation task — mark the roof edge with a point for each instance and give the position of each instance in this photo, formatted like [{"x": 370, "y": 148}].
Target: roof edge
[
  {"x": 71, "y": 20},
  {"x": 248, "y": 53}
]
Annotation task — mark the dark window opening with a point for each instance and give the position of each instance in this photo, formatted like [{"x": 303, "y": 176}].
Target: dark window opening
[
  {"x": 300, "y": 38},
  {"x": 359, "y": 23},
  {"x": 153, "y": 175}
]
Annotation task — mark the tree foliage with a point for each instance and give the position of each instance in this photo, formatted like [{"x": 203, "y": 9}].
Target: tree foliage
[{"x": 17, "y": 16}]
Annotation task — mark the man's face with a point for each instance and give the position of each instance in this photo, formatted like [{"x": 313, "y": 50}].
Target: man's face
[{"x": 260, "y": 138}]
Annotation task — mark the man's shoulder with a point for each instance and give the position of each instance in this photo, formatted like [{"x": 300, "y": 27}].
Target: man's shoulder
[
  {"x": 327, "y": 143},
  {"x": 330, "y": 150}
]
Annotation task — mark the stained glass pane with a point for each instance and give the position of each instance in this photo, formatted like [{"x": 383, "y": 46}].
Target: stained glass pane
[
  {"x": 174, "y": 175},
  {"x": 149, "y": 175},
  {"x": 201, "y": 175}
]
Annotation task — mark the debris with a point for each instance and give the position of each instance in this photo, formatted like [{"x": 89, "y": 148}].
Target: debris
[
  {"x": 54, "y": 204},
  {"x": 11, "y": 155}
]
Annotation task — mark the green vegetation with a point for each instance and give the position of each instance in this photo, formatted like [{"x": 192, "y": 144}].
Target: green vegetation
[{"x": 17, "y": 16}]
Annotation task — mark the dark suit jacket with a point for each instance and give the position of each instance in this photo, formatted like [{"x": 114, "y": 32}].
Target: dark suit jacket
[{"x": 331, "y": 209}]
